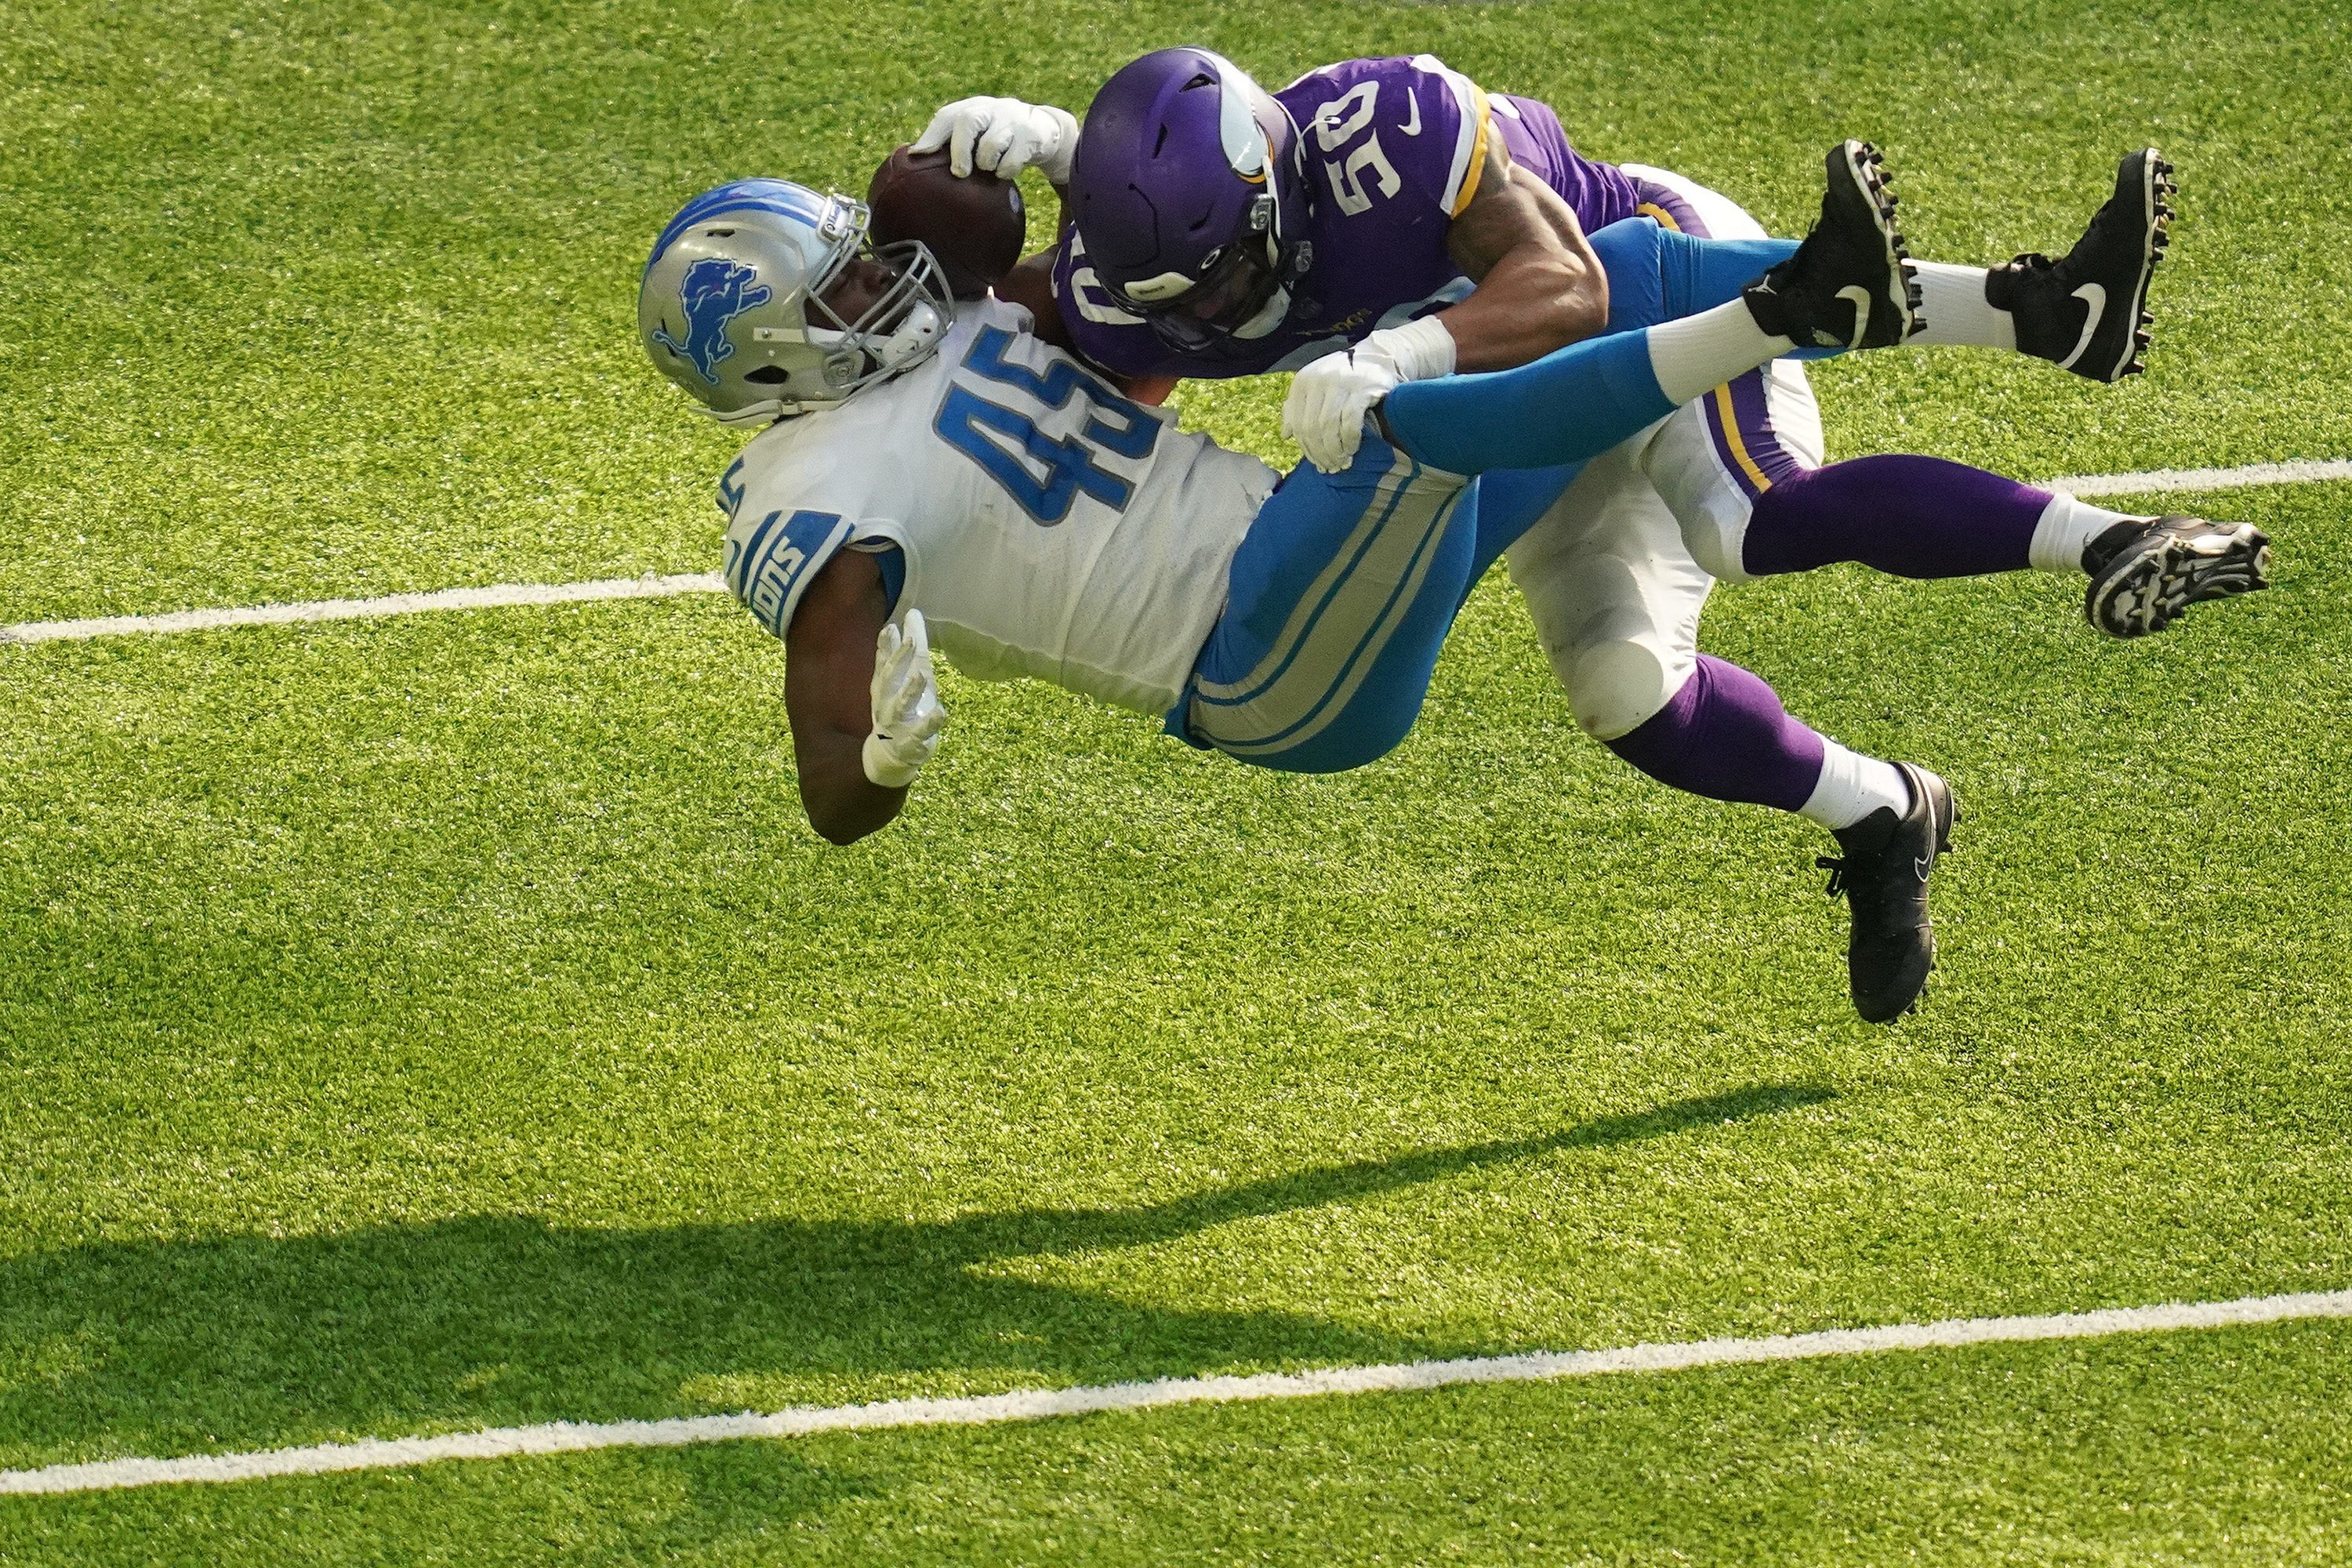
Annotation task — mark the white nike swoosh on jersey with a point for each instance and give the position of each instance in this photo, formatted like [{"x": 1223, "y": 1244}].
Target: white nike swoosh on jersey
[
  {"x": 1860, "y": 297},
  {"x": 1412, "y": 121},
  {"x": 2096, "y": 296}
]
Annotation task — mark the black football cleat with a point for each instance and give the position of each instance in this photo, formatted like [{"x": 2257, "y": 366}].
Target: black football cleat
[
  {"x": 1849, "y": 286},
  {"x": 2144, "y": 573},
  {"x": 2088, "y": 312},
  {"x": 1884, "y": 875}
]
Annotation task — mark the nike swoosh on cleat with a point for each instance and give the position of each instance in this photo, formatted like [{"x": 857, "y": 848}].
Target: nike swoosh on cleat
[
  {"x": 2094, "y": 296},
  {"x": 1412, "y": 126},
  {"x": 1921, "y": 865},
  {"x": 1860, "y": 297}
]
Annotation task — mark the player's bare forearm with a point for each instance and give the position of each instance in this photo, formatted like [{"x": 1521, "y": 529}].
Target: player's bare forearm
[
  {"x": 828, "y": 669},
  {"x": 1531, "y": 304},
  {"x": 1540, "y": 287},
  {"x": 1030, "y": 284}
]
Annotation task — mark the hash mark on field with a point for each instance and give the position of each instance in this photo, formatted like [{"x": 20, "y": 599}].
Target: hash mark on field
[
  {"x": 497, "y": 595},
  {"x": 567, "y": 1436},
  {"x": 502, "y": 594},
  {"x": 2156, "y": 482}
]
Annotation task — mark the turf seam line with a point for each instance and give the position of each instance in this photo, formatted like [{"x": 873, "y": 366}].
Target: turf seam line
[
  {"x": 500, "y": 596},
  {"x": 567, "y": 1436}
]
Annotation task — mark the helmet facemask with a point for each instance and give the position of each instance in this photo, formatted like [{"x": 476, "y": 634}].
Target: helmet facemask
[
  {"x": 897, "y": 331},
  {"x": 732, "y": 306},
  {"x": 1243, "y": 292},
  {"x": 1186, "y": 131}
]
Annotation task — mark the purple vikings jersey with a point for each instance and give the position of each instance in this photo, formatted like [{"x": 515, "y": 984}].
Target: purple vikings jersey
[{"x": 1394, "y": 151}]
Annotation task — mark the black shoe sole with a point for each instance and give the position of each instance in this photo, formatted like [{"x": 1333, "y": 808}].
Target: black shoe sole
[
  {"x": 2155, "y": 192},
  {"x": 1859, "y": 168},
  {"x": 2143, "y": 591}
]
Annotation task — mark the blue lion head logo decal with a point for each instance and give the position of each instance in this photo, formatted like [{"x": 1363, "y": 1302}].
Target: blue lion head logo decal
[{"x": 716, "y": 291}]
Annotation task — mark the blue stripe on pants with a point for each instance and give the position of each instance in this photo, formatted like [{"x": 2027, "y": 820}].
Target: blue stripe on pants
[{"x": 1340, "y": 600}]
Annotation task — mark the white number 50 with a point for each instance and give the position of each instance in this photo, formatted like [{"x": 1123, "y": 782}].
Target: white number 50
[
  {"x": 1348, "y": 179},
  {"x": 1335, "y": 124}
]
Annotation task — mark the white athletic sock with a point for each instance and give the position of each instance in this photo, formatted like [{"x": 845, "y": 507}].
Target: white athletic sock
[
  {"x": 1851, "y": 786},
  {"x": 1697, "y": 353},
  {"x": 2067, "y": 526},
  {"x": 1952, "y": 301}
]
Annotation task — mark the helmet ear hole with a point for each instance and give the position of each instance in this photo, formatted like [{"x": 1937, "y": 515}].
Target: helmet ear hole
[{"x": 769, "y": 375}]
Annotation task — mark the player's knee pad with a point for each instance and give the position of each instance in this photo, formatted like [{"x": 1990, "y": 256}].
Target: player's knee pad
[{"x": 1618, "y": 685}]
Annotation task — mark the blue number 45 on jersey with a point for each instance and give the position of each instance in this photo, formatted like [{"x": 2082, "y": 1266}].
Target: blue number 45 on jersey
[{"x": 1066, "y": 468}]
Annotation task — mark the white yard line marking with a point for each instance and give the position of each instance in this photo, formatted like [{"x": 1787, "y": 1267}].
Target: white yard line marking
[
  {"x": 495, "y": 596},
  {"x": 568, "y": 1436},
  {"x": 501, "y": 594},
  {"x": 2176, "y": 481}
]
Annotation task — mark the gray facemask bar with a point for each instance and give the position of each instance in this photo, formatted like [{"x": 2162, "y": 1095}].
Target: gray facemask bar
[{"x": 861, "y": 359}]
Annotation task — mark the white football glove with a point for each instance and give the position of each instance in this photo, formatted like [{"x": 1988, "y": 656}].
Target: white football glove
[
  {"x": 1003, "y": 136},
  {"x": 907, "y": 711},
  {"x": 1329, "y": 399}
]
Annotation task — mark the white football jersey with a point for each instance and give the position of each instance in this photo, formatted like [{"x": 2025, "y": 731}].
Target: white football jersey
[{"x": 1051, "y": 528}]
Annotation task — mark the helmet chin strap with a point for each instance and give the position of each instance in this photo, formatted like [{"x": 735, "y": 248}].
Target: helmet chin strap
[
  {"x": 917, "y": 331},
  {"x": 1268, "y": 318},
  {"x": 767, "y": 411}
]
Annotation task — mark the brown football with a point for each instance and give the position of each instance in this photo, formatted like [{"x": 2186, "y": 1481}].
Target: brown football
[{"x": 975, "y": 226}]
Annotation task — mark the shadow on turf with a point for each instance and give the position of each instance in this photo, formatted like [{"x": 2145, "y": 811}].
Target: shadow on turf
[{"x": 240, "y": 1340}]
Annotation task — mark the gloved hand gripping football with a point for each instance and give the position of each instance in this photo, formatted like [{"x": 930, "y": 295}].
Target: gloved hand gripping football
[{"x": 1003, "y": 136}]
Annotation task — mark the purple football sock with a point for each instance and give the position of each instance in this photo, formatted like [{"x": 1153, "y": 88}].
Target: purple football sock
[
  {"x": 1726, "y": 736},
  {"x": 1912, "y": 517}
]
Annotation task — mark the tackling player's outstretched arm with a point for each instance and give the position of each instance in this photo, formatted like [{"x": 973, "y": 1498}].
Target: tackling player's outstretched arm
[
  {"x": 829, "y": 656},
  {"x": 1540, "y": 287}
]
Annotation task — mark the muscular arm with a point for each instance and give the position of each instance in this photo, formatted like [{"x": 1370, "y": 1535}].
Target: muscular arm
[
  {"x": 1540, "y": 287},
  {"x": 1030, "y": 284},
  {"x": 828, "y": 670}
]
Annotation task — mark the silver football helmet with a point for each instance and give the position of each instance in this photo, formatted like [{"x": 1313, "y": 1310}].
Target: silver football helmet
[{"x": 730, "y": 305}]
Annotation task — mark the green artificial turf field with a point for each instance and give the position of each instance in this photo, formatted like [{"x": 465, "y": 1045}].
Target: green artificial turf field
[{"x": 415, "y": 1025}]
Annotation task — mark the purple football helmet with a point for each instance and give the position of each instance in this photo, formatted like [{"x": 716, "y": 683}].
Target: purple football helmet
[{"x": 1190, "y": 199}]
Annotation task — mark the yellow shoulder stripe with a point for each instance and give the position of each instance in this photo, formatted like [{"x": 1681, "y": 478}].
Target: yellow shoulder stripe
[{"x": 1477, "y": 150}]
